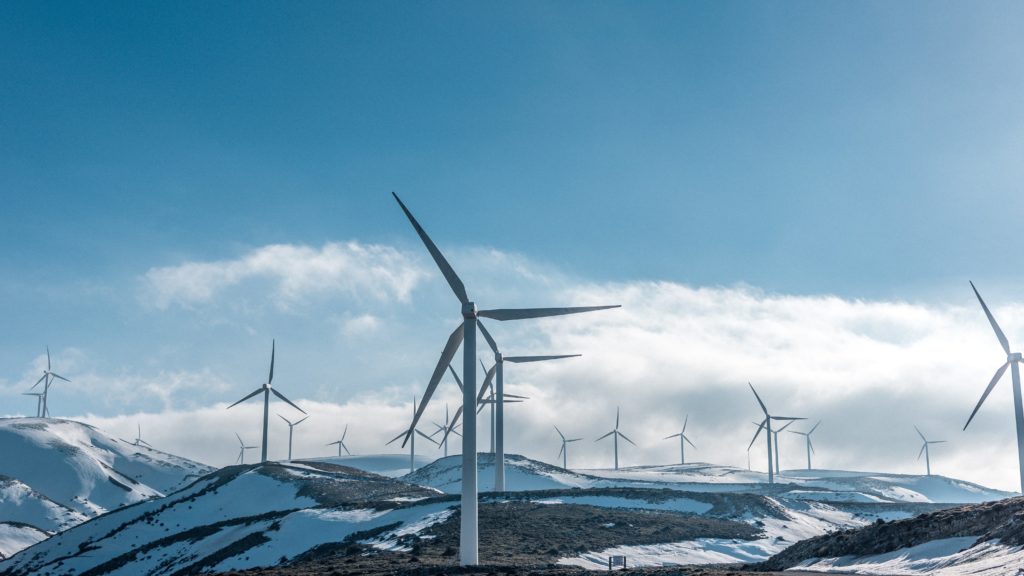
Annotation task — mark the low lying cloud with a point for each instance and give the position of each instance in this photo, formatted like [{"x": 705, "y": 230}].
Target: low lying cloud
[{"x": 369, "y": 271}]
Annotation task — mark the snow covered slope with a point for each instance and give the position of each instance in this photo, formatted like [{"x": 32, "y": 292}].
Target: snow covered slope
[
  {"x": 820, "y": 485},
  {"x": 237, "y": 517},
  {"x": 390, "y": 465},
  {"x": 57, "y": 473}
]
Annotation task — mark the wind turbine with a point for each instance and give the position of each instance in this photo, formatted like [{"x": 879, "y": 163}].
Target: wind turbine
[
  {"x": 775, "y": 433},
  {"x": 440, "y": 428},
  {"x": 48, "y": 378},
  {"x": 292, "y": 425},
  {"x": 266, "y": 389},
  {"x": 491, "y": 399},
  {"x": 341, "y": 443},
  {"x": 767, "y": 424},
  {"x": 615, "y": 433},
  {"x": 924, "y": 450},
  {"x": 39, "y": 402},
  {"x": 682, "y": 441},
  {"x": 412, "y": 445},
  {"x": 1013, "y": 360},
  {"x": 241, "y": 450},
  {"x": 564, "y": 452},
  {"x": 807, "y": 436},
  {"x": 468, "y": 528},
  {"x": 138, "y": 438}
]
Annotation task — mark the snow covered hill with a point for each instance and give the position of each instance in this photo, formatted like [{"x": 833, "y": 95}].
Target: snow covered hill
[
  {"x": 55, "y": 474},
  {"x": 390, "y": 465},
  {"x": 237, "y": 517},
  {"x": 820, "y": 485}
]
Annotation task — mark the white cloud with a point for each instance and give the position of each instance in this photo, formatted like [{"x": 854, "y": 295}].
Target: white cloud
[{"x": 360, "y": 270}]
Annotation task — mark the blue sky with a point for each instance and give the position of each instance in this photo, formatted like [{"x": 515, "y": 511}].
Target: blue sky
[{"x": 865, "y": 150}]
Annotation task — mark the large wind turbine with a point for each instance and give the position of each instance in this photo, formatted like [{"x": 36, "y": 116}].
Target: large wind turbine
[
  {"x": 767, "y": 424},
  {"x": 48, "y": 378},
  {"x": 807, "y": 436},
  {"x": 241, "y": 450},
  {"x": 564, "y": 452},
  {"x": 412, "y": 445},
  {"x": 499, "y": 401},
  {"x": 291, "y": 426},
  {"x": 468, "y": 528},
  {"x": 924, "y": 450},
  {"x": 1013, "y": 360},
  {"x": 615, "y": 433},
  {"x": 682, "y": 441},
  {"x": 341, "y": 443},
  {"x": 266, "y": 389}
]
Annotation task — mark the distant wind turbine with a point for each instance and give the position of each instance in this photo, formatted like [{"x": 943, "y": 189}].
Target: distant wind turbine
[
  {"x": 1013, "y": 360},
  {"x": 444, "y": 429},
  {"x": 138, "y": 438},
  {"x": 489, "y": 397},
  {"x": 412, "y": 444},
  {"x": 291, "y": 426},
  {"x": 241, "y": 450},
  {"x": 469, "y": 514},
  {"x": 266, "y": 389},
  {"x": 682, "y": 441},
  {"x": 615, "y": 434},
  {"x": 767, "y": 424},
  {"x": 564, "y": 452},
  {"x": 48, "y": 378},
  {"x": 807, "y": 436},
  {"x": 775, "y": 433},
  {"x": 924, "y": 450},
  {"x": 341, "y": 443}
]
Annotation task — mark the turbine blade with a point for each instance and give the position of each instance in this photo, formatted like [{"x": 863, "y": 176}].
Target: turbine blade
[
  {"x": 811, "y": 444},
  {"x": 487, "y": 336},
  {"x": 516, "y": 396},
  {"x": 457, "y": 379},
  {"x": 616, "y": 417},
  {"x": 285, "y": 419},
  {"x": 300, "y": 421},
  {"x": 240, "y": 443},
  {"x": 281, "y": 396},
  {"x": 406, "y": 434},
  {"x": 521, "y": 359},
  {"x": 690, "y": 443},
  {"x": 758, "y": 433},
  {"x": 504, "y": 314},
  {"x": 999, "y": 332},
  {"x": 452, "y": 427},
  {"x": 345, "y": 433},
  {"x": 346, "y": 449},
  {"x": 574, "y": 439},
  {"x": 47, "y": 358},
  {"x": 685, "y": 422},
  {"x": 922, "y": 450},
  {"x": 270, "y": 379},
  {"x": 59, "y": 377},
  {"x": 560, "y": 433},
  {"x": 486, "y": 384},
  {"x": 41, "y": 378},
  {"x": 936, "y": 441},
  {"x": 257, "y": 391},
  {"x": 446, "y": 358},
  {"x": 672, "y": 436},
  {"x": 560, "y": 450},
  {"x": 432, "y": 441},
  {"x": 919, "y": 433},
  {"x": 786, "y": 418},
  {"x": 605, "y": 436},
  {"x": 627, "y": 439},
  {"x": 991, "y": 385},
  {"x": 815, "y": 428},
  {"x": 763, "y": 408},
  {"x": 439, "y": 259},
  {"x": 787, "y": 425}
]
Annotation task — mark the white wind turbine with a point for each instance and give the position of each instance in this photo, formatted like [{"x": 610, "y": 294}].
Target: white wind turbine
[
  {"x": 807, "y": 436},
  {"x": 1013, "y": 360},
  {"x": 291, "y": 426},
  {"x": 615, "y": 434},
  {"x": 341, "y": 443},
  {"x": 468, "y": 528},
  {"x": 924, "y": 450},
  {"x": 48, "y": 378},
  {"x": 564, "y": 451},
  {"x": 138, "y": 438},
  {"x": 241, "y": 450},
  {"x": 444, "y": 428},
  {"x": 499, "y": 401},
  {"x": 767, "y": 424},
  {"x": 267, "y": 389},
  {"x": 682, "y": 441},
  {"x": 412, "y": 445}
]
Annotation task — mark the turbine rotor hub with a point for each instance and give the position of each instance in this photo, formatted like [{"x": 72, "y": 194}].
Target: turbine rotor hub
[
  {"x": 469, "y": 310},
  {"x": 497, "y": 356}
]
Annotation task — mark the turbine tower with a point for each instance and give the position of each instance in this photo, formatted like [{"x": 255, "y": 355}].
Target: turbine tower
[
  {"x": 767, "y": 424},
  {"x": 241, "y": 450},
  {"x": 682, "y": 441},
  {"x": 291, "y": 426},
  {"x": 564, "y": 452},
  {"x": 468, "y": 528},
  {"x": 615, "y": 434},
  {"x": 267, "y": 389},
  {"x": 1013, "y": 360},
  {"x": 807, "y": 436},
  {"x": 924, "y": 450},
  {"x": 499, "y": 401},
  {"x": 48, "y": 378},
  {"x": 340, "y": 442}
]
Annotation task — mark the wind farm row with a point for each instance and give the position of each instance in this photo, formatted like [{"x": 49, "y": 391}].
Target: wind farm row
[{"x": 491, "y": 394}]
